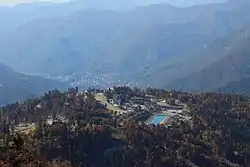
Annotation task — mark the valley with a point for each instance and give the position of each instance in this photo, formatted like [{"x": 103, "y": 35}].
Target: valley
[
  {"x": 85, "y": 80},
  {"x": 136, "y": 47}
]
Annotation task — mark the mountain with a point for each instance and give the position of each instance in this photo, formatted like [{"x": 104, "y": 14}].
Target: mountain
[
  {"x": 130, "y": 4},
  {"x": 12, "y": 17},
  {"x": 140, "y": 45},
  {"x": 241, "y": 86},
  {"x": 16, "y": 86},
  {"x": 226, "y": 74},
  {"x": 77, "y": 43},
  {"x": 113, "y": 5}
]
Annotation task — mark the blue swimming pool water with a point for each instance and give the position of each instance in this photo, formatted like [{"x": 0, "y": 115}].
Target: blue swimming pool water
[{"x": 157, "y": 119}]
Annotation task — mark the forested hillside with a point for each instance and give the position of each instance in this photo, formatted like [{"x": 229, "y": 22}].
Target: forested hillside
[{"x": 85, "y": 133}]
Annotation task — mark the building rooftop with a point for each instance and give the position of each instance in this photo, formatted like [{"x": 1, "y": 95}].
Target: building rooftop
[
  {"x": 163, "y": 104},
  {"x": 150, "y": 96},
  {"x": 137, "y": 98}
]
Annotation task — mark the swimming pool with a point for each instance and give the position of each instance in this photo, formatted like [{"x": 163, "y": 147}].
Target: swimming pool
[{"x": 156, "y": 119}]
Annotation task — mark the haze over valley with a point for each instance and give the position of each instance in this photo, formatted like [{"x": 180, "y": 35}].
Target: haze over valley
[{"x": 149, "y": 43}]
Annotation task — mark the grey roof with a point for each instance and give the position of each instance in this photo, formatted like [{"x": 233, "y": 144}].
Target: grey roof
[{"x": 137, "y": 98}]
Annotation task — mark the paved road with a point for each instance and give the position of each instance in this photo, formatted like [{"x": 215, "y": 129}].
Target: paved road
[{"x": 100, "y": 97}]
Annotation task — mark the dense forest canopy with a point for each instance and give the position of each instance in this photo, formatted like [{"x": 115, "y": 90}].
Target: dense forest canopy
[{"x": 86, "y": 133}]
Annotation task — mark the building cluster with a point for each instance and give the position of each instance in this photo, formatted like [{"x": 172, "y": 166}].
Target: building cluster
[
  {"x": 148, "y": 108},
  {"x": 123, "y": 105}
]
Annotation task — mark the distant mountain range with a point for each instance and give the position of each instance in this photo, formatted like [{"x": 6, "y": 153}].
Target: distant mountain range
[
  {"x": 130, "y": 4},
  {"x": 17, "y": 87},
  {"x": 191, "y": 48},
  {"x": 115, "y": 5}
]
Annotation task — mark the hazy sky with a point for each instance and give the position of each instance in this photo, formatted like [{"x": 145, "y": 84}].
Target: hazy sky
[{"x": 14, "y": 2}]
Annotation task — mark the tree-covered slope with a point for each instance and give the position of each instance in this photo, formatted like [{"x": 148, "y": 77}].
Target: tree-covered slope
[{"x": 212, "y": 131}]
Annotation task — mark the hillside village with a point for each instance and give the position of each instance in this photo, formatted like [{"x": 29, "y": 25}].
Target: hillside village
[
  {"x": 144, "y": 108},
  {"x": 123, "y": 127}
]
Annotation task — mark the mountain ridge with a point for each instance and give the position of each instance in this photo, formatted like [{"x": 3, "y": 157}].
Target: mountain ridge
[
  {"x": 141, "y": 45},
  {"x": 18, "y": 87},
  {"x": 100, "y": 43},
  {"x": 229, "y": 70}
]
